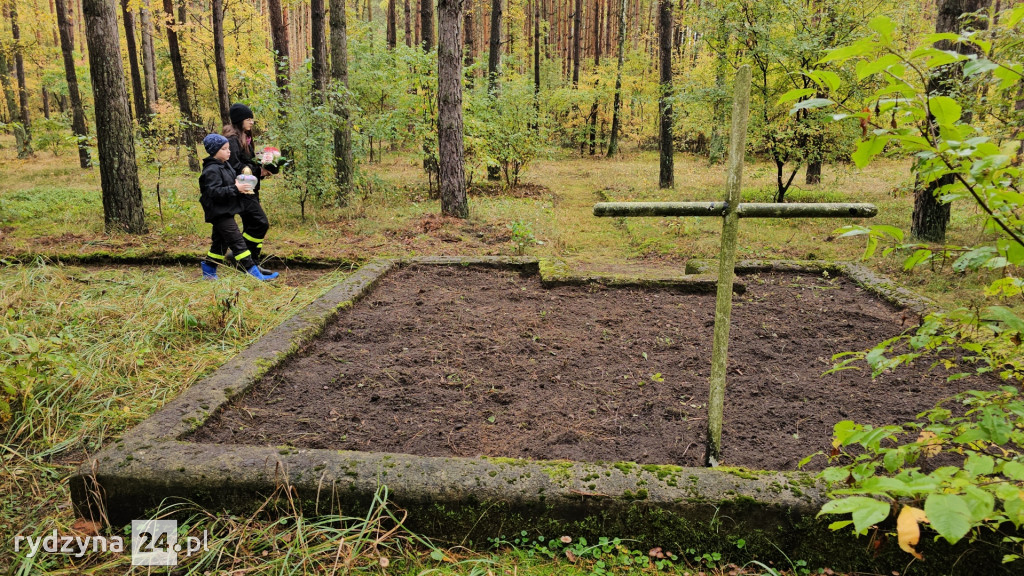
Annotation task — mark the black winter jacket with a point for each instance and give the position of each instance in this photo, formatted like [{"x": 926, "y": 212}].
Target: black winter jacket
[
  {"x": 217, "y": 192},
  {"x": 240, "y": 158}
]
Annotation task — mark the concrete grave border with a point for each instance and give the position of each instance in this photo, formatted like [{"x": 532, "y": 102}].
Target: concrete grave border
[{"x": 468, "y": 500}]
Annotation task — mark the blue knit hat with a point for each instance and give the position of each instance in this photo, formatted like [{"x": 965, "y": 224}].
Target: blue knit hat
[{"x": 214, "y": 142}]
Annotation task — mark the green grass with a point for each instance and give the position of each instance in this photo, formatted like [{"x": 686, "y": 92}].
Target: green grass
[{"x": 106, "y": 347}]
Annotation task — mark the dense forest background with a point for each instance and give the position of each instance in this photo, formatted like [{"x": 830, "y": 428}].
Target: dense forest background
[{"x": 579, "y": 74}]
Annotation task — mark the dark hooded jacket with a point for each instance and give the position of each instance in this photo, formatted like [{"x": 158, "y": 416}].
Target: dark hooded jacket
[
  {"x": 242, "y": 157},
  {"x": 217, "y": 192}
]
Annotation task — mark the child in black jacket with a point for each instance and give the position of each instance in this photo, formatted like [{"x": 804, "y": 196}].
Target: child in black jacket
[{"x": 220, "y": 196}]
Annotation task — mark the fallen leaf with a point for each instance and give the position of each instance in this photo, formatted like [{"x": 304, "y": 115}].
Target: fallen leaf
[
  {"x": 932, "y": 446},
  {"x": 86, "y": 527},
  {"x": 908, "y": 530},
  {"x": 569, "y": 554}
]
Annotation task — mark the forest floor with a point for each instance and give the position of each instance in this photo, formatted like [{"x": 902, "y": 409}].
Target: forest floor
[{"x": 108, "y": 345}]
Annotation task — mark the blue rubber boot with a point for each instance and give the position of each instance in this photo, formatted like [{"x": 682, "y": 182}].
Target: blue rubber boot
[
  {"x": 255, "y": 273},
  {"x": 209, "y": 271}
]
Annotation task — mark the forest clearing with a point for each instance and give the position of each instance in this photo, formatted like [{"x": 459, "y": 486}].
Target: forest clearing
[{"x": 430, "y": 174}]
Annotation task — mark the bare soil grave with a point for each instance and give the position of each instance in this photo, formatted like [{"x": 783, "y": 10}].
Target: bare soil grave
[{"x": 466, "y": 361}]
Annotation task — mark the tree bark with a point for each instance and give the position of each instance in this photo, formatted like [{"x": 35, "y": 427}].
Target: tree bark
[
  {"x": 67, "y": 47},
  {"x": 494, "y": 55},
  {"x": 451, "y": 175},
  {"x": 148, "y": 57},
  {"x": 592, "y": 117},
  {"x": 577, "y": 38},
  {"x": 613, "y": 139},
  {"x": 408, "y": 24},
  {"x": 220, "y": 61},
  {"x": 667, "y": 176},
  {"x": 138, "y": 96},
  {"x": 11, "y": 99},
  {"x": 427, "y": 24},
  {"x": 716, "y": 148},
  {"x": 182, "y": 88},
  {"x": 930, "y": 216},
  {"x": 392, "y": 27},
  {"x": 25, "y": 150},
  {"x": 494, "y": 69},
  {"x": 342, "y": 132},
  {"x": 119, "y": 175},
  {"x": 470, "y": 41},
  {"x": 813, "y": 175},
  {"x": 279, "y": 34},
  {"x": 536, "y": 63},
  {"x": 319, "y": 47}
]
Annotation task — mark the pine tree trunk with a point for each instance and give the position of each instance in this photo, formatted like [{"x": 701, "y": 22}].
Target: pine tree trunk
[
  {"x": 138, "y": 96},
  {"x": 592, "y": 118},
  {"x": 451, "y": 175},
  {"x": 470, "y": 43},
  {"x": 577, "y": 38},
  {"x": 392, "y": 27},
  {"x": 11, "y": 99},
  {"x": 342, "y": 132},
  {"x": 67, "y": 47},
  {"x": 25, "y": 150},
  {"x": 930, "y": 216},
  {"x": 613, "y": 139},
  {"x": 182, "y": 88},
  {"x": 536, "y": 63},
  {"x": 494, "y": 69},
  {"x": 408, "y": 24},
  {"x": 46, "y": 103},
  {"x": 279, "y": 34},
  {"x": 318, "y": 43},
  {"x": 427, "y": 24},
  {"x": 119, "y": 175},
  {"x": 148, "y": 57},
  {"x": 220, "y": 61},
  {"x": 667, "y": 176}
]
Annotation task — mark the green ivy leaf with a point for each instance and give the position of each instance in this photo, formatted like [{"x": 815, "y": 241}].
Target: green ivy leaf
[{"x": 949, "y": 516}]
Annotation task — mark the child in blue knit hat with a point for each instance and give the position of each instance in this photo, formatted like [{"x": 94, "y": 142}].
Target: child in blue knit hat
[{"x": 220, "y": 195}]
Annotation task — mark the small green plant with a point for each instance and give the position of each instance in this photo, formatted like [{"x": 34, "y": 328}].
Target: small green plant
[{"x": 522, "y": 236}]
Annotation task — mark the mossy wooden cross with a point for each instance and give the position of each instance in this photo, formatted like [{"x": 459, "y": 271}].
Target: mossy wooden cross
[{"x": 731, "y": 210}]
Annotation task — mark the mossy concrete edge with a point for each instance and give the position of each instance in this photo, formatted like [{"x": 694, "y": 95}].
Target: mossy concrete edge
[
  {"x": 454, "y": 499},
  {"x": 874, "y": 283}
]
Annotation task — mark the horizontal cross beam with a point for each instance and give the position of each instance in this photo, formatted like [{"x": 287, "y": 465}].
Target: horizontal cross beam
[{"x": 744, "y": 210}]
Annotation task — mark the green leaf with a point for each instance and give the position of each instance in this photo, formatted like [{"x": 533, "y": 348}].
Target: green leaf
[
  {"x": 938, "y": 36},
  {"x": 979, "y": 464},
  {"x": 868, "y": 149},
  {"x": 846, "y": 52},
  {"x": 866, "y": 68},
  {"x": 865, "y": 511},
  {"x": 949, "y": 515},
  {"x": 979, "y": 66},
  {"x": 944, "y": 109},
  {"x": 810, "y": 104},
  {"x": 826, "y": 79},
  {"x": 917, "y": 258},
  {"x": 883, "y": 25},
  {"x": 795, "y": 94},
  {"x": 1006, "y": 316},
  {"x": 1014, "y": 470},
  {"x": 437, "y": 555}
]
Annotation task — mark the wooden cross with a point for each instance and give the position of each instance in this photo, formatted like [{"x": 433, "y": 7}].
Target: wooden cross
[{"x": 731, "y": 210}]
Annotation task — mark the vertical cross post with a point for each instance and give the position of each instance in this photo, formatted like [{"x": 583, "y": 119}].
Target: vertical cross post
[
  {"x": 731, "y": 211},
  {"x": 726, "y": 264}
]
